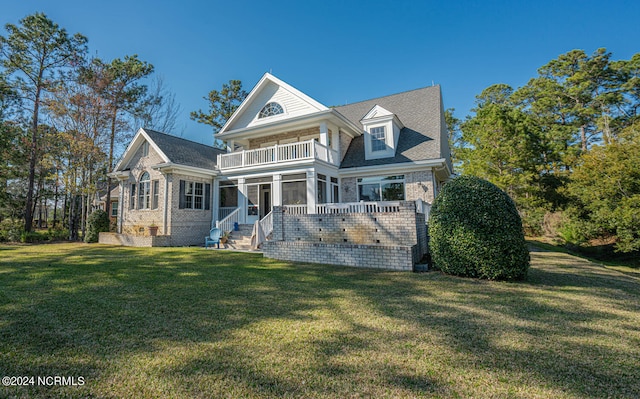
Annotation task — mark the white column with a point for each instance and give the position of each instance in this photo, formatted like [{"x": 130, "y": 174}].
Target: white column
[
  {"x": 215, "y": 198},
  {"x": 242, "y": 199},
  {"x": 276, "y": 190},
  {"x": 335, "y": 139},
  {"x": 324, "y": 134},
  {"x": 311, "y": 191}
]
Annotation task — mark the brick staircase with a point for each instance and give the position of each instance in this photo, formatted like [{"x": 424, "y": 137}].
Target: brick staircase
[{"x": 241, "y": 239}]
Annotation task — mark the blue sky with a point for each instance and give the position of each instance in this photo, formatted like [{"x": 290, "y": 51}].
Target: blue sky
[{"x": 341, "y": 51}]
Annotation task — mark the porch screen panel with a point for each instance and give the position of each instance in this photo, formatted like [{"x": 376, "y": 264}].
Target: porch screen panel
[
  {"x": 229, "y": 196},
  {"x": 252, "y": 200},
  {"x": 321, "y": 190},
  {"x": 294, "y": 193}
]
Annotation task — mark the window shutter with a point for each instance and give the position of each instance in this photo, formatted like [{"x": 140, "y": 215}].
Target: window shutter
[
  {"x": 132, "y": 197},
  {"x": 207, "y": 197},
  {"x": 182, "y": 195}
]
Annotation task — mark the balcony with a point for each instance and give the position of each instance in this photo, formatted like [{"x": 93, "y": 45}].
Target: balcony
[{"x": 284, "y": 153}]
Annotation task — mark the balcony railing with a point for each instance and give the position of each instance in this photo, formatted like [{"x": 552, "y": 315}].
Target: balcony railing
[{"x": 277, "y": 154}]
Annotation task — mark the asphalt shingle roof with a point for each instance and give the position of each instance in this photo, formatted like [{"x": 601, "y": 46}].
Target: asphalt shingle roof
[
  {"x": 419, "y": 111},
  {"x": 185, "y": 152}
]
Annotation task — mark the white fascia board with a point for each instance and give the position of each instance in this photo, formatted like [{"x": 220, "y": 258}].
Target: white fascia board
[
  {"x": 137, "y": 140},
  {"x": 284, "y": 125},
  {"x": 382, "y": 119},
  {"x": 119, "y": 175},
  {"x": 274, "y": 167},
  {"x": 171, "y": 167},
  {"x": 254, "y": 92},
  {"x": 397, "y": 167}
]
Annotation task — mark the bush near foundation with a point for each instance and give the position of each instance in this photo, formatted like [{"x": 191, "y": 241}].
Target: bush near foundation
[
  {"x": 476, "y": 231},
  {"x": 97, "y": 222}
]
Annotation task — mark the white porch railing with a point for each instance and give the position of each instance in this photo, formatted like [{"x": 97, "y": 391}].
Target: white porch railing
[
  {"x": 423, "y": 207},
  {"x": 266, "y": 224},
  {"x": 358, "y": 207},
  {"x": 296, "y": 209},
  {"x": 310, "y": 149},
  {"x": 227, "y": 223}
]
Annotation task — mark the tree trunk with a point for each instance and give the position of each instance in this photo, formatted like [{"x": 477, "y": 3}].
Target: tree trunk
[
  {"x": 28, "y": 214},
  {"x": 107, "y": 206},
  {"x": 55, "y": 201}
]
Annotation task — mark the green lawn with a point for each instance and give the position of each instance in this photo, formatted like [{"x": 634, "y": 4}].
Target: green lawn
[{"x": 192, "y": 323}]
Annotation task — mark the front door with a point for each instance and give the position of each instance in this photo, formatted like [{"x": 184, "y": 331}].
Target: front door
[
  {"x": 258, "y": 201},
  {"x": 265, "y": 200}
]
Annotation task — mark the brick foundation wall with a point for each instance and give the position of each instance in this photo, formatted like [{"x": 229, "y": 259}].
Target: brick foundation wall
[
  {"x": 367, "y": 256},
  {"x": 384, "y": 240}
]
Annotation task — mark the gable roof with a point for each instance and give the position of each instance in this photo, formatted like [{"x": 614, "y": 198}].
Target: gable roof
[
  {"x": 172, "y": 150},
  {"x": 420, "y": 111},
  {"x": 271, "y": 89},
  {"x": 185, "y": 152}
]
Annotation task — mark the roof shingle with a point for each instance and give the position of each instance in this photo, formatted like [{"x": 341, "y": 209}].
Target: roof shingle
[
  {"x": 185, "y": 152},
  {"x": 419, "y": 111}
]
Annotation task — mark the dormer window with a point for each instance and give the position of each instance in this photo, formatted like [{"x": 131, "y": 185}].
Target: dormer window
[
  {"x": 381, "y": 133},
  {"x": 270, "y": 109},
  {"x": 378, "y": 139}
]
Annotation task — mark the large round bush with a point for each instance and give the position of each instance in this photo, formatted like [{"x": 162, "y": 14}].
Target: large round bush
[
  {"x": 97, "y": 222},
  {"x": 476, "y": 231}
]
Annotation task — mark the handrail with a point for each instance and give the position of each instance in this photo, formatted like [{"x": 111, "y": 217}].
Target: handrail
[
  {"x": 224, "y": 211},
  {"x": 266, "y": 224},
  {"x": 227, "y": 223}
]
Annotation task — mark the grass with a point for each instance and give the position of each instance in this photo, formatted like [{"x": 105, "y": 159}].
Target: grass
[{"x": 192, "y": 323}]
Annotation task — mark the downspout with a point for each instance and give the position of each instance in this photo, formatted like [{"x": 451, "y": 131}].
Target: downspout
[
  {"x": 120, "y": 206},
  {"x": 165, "y": 211}
]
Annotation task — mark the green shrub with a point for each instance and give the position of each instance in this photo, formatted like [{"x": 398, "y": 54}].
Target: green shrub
[
  {"x": 11, "y": 230},
  {"x": 33, "y": 236},
  {"x": 58, "y": 233},
  {"x": 97, "y": 222},
  {"x": 476, "y": 231}
]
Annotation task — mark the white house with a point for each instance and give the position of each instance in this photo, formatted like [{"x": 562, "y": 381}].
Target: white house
[{"x": 285, "y": 150}]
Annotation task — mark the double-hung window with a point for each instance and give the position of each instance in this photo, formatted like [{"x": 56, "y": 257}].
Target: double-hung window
[
  {"x": 378, "y": 139},
  {"x": 194, "y": 195}
]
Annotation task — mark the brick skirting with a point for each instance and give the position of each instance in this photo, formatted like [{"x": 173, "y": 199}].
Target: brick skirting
[{"x": 358, "y": 255}]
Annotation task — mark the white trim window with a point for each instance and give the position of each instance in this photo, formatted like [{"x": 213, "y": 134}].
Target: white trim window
[
  {"x": 381, "y": 188},
  {"x": 271, "y": 109},
  {"x": 378, "y": 139},
  {"x": 194, "y": 195},
  {"x": 144, "y": 191}
]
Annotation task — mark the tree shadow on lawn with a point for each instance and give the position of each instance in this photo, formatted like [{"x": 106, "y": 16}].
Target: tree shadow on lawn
[
  {"x": 238, "y": 323},
  {"x": 569, "y": 327}
]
